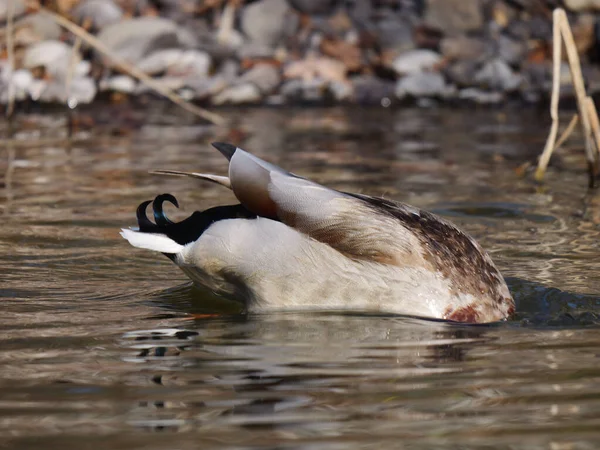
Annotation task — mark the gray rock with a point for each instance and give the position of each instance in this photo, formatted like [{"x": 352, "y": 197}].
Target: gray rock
[
  {"x": 371, "y": 90},
  {"x": 81, "y": 90},
  {"x": 36, "y": 27},
  {"x": 159, "y": 61},
  {"x": 231, "y": 40},
  {"x": 54, "y": 56},
  {"x": 536, "y": 27},
  {"x": 265, "y": 22},
  {"x": 19, "y": 8},
  {"x": 416, "y": 61},
  {"x": 292, "y": 89},
  {"x": 102, "y": 13},
  {"x": 314, "y": 7},
  {"x": 265, "y": 76},
  {"x": 21, "y": 83},
  {"x": 254, "y": 50},
  {"x": 497, "y": 75},
  {"x": 119, "y": 83},
  {"x": 204, "y": 88},
  {"x": 238, "y": 94},
  {"x": 510, "y": 50},
  {"x": 22, "y": 80},
  {"x": 166, "y": 82},
  {"x": 230, "y": 70},
  {"x": 462, "y": 73},
  {"x": 306, "y": 90},
  {"x": 176, "y": 62},
  {"x": 82, "y": 68},
  {"x": 480, "y": 96},
  {"x": 313, "y": 90},
  {"x": 136, "y": 38},
  {"x": 537, "y": 80},
  {"x": 454, "y": 16},
  {"x": 341, "y": 90},
  {"x": 394, "y": 33},
  {"x": 428, "y": 84},
  {"x": 321, "y": 69},
  {"x": 464, "y": 48}
]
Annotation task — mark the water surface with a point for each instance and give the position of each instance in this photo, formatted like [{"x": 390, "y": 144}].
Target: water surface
[{"x": 105, "y": 346}]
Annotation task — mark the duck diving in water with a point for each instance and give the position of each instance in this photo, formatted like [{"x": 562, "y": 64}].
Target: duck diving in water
[{"x": 293, "y": 244}]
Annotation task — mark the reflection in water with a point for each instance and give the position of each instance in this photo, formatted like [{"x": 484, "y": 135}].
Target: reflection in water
[
  {"x": 300, "y": 364},
  {"x": 100, "y": 341}
]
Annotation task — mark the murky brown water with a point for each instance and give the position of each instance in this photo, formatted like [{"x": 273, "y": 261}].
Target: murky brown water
[{"x": 105, "y": 346}]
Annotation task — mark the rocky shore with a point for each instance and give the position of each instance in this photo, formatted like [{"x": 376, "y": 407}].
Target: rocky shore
[{"x": 277, "y": 52}]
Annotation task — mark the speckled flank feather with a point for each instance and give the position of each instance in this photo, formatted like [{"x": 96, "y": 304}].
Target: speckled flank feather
[
  {"x": 294, "y": 244},
  {"x": 457, "y": 256}
]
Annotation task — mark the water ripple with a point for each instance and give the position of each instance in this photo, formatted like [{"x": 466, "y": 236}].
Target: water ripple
[{"x": 102, "y": 343}]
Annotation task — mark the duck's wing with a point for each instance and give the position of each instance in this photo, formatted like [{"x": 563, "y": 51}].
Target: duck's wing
[{"x": 345, "y": 222}]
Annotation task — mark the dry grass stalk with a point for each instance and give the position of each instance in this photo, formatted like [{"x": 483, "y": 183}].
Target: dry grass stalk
[
  {"x": 73, "y": 60},
  {"x": 10, "y": 50},
  {"x": 45, "y": 142},
  {"x": 587, "y": 111},
  {"x": 132, "y": 70},
  {"x": 226, "y": 24},
  {"x": 8, "y": 177}
]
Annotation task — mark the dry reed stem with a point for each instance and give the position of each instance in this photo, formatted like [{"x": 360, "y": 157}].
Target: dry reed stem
[
  {"x": 579, "y": 85},
  {"x": 587, "y": 111},
  {"x": 45, "y": 142},
  {"x": 567, "y": 132},
  {"x": 594, "y": 123},
  {"x": 132, "y": 70},
  {"x": 551, "y": 140},
  {"x": 10, "y": 50}
]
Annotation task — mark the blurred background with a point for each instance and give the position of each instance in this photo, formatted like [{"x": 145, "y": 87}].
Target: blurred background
[{"x": 377, "y": 52}]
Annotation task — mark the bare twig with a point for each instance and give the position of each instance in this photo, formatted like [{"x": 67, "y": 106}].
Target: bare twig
[
  {"x": 132, "y": 70},
  {"x": 10, "y": 50}
]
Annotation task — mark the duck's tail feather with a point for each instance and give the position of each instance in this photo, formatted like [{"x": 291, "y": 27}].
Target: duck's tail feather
[
  {"x": 151, "y": 241},
  {"x": 218, "y": 179}
]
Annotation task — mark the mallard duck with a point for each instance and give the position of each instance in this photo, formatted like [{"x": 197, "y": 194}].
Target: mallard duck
[{"x": 293, "y": 244}]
